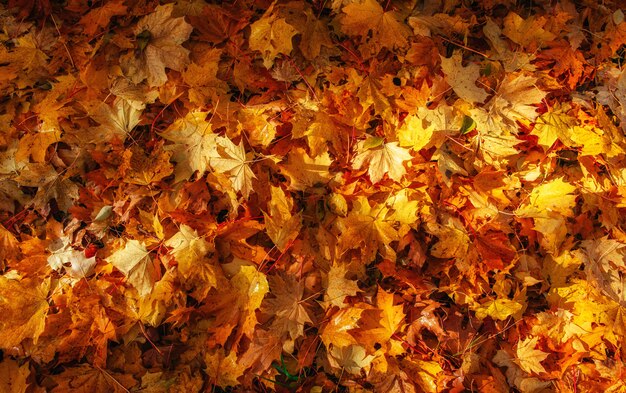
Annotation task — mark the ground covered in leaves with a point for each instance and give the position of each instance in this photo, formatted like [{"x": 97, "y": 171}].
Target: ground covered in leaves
[{"x": 342, "y": 195}]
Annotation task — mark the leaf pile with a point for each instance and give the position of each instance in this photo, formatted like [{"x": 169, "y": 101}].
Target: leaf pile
[{"x": 345, "y": 195}]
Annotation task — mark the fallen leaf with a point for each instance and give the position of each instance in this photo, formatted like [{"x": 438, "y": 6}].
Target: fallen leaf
[
  {"x": 135, "y": 263},
  {"x": 528, "y": 357},
  {"x": 386, "y": 158}
]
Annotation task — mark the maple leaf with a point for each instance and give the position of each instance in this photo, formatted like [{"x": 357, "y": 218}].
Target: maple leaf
[
  {"x": 188, "y": 248},
  {"x": 338, "y": 286},
  {"x": 336, "y": 331},
  {"x": 367, "y": 228},
  {"x": 304, "y": 171},
  {"x": 13, "y": 377},
  {"x": 552, "y": 125},
  {"x": 100, "y": 17},
  {"x": 222, "y": 369},
  {"x": 376, "y": 326},
  {"x": 34, "y": 146},
  {"x": 351, "y": 358},
  {"x": 194, "y": 144},
  {"x": 24, "y": 306},
  {"x": 85, "y": 378},
  {"x": 143, "y": 169},
  {"x": 159, "y": 38},
  {"x": 368, "y": 16},
  {"x": 453, "y": 239},
  {"x": 553, "y": 196},
  {"x": 516, "y": 376},
  {"x": 499, "y": 309},
  {"x": 513, "y": 61},
  {"x": 605, "y": 266},
  {"x": 230, "y": 159},
  {"x": 135, "y": 263},
  {"x": 287, "y": 307},
  {"x": 528, "y": 358},
  {"x": 315, "y": 34},
  {"x": 74, "y": 261},
  {"x": 381, "y": 158},
  {"x": 201, "y": 76},
  {"x": 282, "y": 227},
  {"x": 413, "y": 133},
  {"x": 235, "y": 308},
  {"x": 271, "y": 36},
  {"x": 462, "y": 79},
  {"x": 116, "y": 121},
  {"x": 516, "y": 98},
  {"x": 527, "y": 32}
]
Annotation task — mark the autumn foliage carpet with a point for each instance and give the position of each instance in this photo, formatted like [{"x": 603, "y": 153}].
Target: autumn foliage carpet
[{"x": 312, "y": 196}]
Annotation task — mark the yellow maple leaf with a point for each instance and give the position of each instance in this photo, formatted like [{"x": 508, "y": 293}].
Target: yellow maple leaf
[
  {"x": 189, "y": 249},
  {"x": 367, "y": 228},
  {"x": 351, "y": 358},
  {"x": 499, "y": 309},
  {"x": 463, "y": 79},
  {"x": 223, "y": 370},
  {"x": 231, "y": 160},
  {"x": 336, "y": 330},
  {"x": 527, "y": 32},
  {"x": 251, "y": 287},
  {"x": 368, "y": 16},
  {"x": 414, "y": 133},
  {"x": 135, "y": 262},
  {"x": 304, "y": 171},
  {"x": 287, "y": 306},
  {"x": 23, "y": 306},
  {"x": 159, "y": 38},
  {"x": 553, "y": 196},
  {"x": 282, "y": 227},
  {"x": 194, "y": 144},
  {"x": 13, "y": 377},
  {"x": 381, "y": 158},
  {"x": 552, "y": 125},
  {"x": 528, "y": 358},
  {"x": 271, "y": 36},
  {"x": 338, "y": 286},
  {"x": 376, "y": 326}
]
